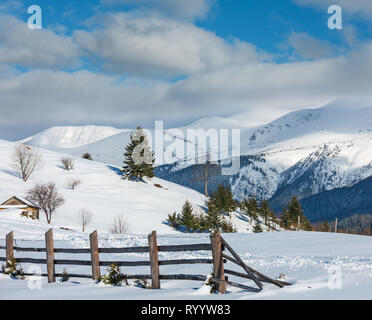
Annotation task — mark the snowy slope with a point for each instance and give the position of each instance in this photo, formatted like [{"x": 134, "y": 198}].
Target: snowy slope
[
  {"x": 71, "y": 137},
  {"x": 104, "y": 193}
]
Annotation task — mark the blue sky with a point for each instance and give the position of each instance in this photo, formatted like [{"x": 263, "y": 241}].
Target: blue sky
[
  {"x": 266, "y": 23},
  {"x": 131, "y": 62}
]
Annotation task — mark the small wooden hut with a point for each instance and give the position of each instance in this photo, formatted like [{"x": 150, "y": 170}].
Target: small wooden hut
[{"x": 19, "y": 203}]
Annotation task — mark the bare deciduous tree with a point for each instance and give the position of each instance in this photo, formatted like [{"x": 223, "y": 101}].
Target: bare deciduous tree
[
  {"x": 120, "y": 225},
  {"x": 204, "y": 170},
  {"x": 26, "y": 160},
  {"x": 47, "y": 197},
  {"x": 72, "y": 183},
  {"x": 67, "y": 163},
  {"x": 85, "y": 218}
]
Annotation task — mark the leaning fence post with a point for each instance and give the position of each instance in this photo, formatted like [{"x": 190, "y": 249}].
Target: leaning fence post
[
  {"x": 218, "y": 267},
  {"x": 154, "y": 261},
  {"x": 50, "y": 256},
  {"x": 9, "y": 246},
  {"x": 96, "y": 272}
]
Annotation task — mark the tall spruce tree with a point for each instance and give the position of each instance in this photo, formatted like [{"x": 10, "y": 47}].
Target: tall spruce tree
[
  {"x": 250, "y": 208},
  {"x": 213, "y": 219},
  {"x": 291, "y": 213},
  {"x": 187, "y": 218},
  {"x": 223, "y": 200},
  {"x": 265, "y": 212},
  {"x": 139, "y": 159}
]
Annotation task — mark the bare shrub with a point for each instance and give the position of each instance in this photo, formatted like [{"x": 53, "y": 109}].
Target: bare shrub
[
  {"x": 73, "y": 183},
  {"x": 87, "y": 156},
  {"x": 67, "y": 163},
  {"x": 85, "y": 218},
  {"x": 26, "y": 160},
  {"x": 47, "y": 197},
  {"x": 120, "y": 225}
]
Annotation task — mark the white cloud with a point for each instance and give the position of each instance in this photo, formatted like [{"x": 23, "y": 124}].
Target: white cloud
[
  {"x": 222, "y": 78},
  {"x": 51, "y": 97},
  {"x": 189, "y": 9},
  {"x": 309, "y": 47},
  {"x": 34, "y": 48},
  {"x": 144, "y": 46}
]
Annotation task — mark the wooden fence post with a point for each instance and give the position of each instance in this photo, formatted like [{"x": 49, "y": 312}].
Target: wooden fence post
[
  {"x": 154, "y": 260},
  {"x": 96, "y": 272},
  {"x": 218, "y": 267},
  {"x": 9, "y": 246},
  {"x": 50, "y": 256}
]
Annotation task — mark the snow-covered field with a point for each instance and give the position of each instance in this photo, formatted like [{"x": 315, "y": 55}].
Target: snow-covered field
[
  {"x": 102, "y": 191},
  {"x": 307, "y": 259}
]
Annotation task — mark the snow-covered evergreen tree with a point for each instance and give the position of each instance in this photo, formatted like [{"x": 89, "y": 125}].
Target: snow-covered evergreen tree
[{"x": 139, "y": 158}]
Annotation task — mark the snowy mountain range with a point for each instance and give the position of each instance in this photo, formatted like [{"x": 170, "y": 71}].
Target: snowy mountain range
[{"x": 302, "y": 153}]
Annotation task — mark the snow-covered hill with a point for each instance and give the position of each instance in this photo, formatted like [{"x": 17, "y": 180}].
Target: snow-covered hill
[
  {"x": 71, "y": 137},
  {"x": 103, "y": 192}
]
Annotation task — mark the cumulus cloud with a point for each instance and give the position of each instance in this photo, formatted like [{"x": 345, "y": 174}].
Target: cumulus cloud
[
  {"x": 34, "y": 48},
  {"x": 309, "y": 47},
  {"x": 188, "y": 9},
  {"x": 55, "y": 97},
  {"x": 147, "y": 46},
  {"x": 218, "y": 77}
]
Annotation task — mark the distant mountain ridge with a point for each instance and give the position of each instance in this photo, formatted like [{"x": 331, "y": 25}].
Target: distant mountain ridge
[{"x": 302, "y": 153}]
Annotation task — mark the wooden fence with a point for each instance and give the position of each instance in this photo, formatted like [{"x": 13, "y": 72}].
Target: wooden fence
[{"x": 217, "y": 246}]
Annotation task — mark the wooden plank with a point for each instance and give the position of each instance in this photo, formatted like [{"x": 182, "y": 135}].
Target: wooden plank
[
  {"x": 242, "y": 264},
  {"x": 73, "y": 262},
  {"x": 237, "y": 285},
  {"x": 96, "y": 272},
  {"x": 189, "y": 247},
  {"x": 154, "y": 260},
  {"x": 247, "y": 276},
  {"x": 19, "y": 249},
  {"x": 183, "y": 277},
  {"x": 185, "y": 261},
  {"x": 71, "y": 250},
  {"x": 130, "y": 277},
  {"x": 250, "y": 270},
  {"x": 2, "y": 259},
  {"x": 50, "y": 256},
  {"x": 218, "y": 267},
  {"x": 31, "y": 260},
  {"x": 126, "y": 263},
  {"x": 9, "y": 246},
  {"x": 60, "y": 275},
  {"x": 230, "y": 259},
  {"x": 124, "y": 250},
  {"x": 132, "y": 263},
  {"x": 2, "y": 247}
]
